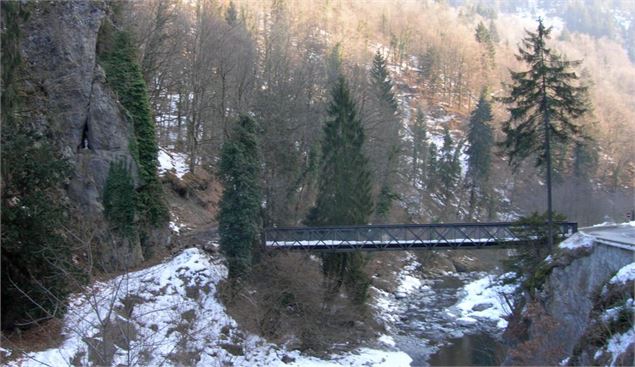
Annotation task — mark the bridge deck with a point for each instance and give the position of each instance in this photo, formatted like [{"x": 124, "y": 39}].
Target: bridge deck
[{"x": 409, "y": 236}]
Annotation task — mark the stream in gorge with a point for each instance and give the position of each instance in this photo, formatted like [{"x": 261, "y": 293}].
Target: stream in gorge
[{"x": 426, "y": 324}]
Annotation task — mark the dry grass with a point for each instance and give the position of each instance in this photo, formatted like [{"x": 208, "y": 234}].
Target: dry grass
[
  {"x": 284, "y": 300},
  {"x": 44, "y": 335}
]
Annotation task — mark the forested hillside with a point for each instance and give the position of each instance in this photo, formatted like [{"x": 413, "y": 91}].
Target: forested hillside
[
  {"x": 417, "y": 71},
  {"x": 132, "y": 130}
]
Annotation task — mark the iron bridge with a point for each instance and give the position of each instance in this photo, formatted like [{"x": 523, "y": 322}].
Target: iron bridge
[{"x": 411, "y": 236}]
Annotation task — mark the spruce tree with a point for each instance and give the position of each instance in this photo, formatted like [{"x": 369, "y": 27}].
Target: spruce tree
[
  {"x": 480, "y": 140},
  {"x": 419, "y": 147},
  {"x": 432, "y": 168},
  {"x": 231, "y": 15},
  {"x": 493, "y": 32},
  {"x": 119, "y": 192},
  {"x": 449, "y": 169},
  {"x": 484, "y": 37},
  {"x": 239, "y": 218},
  {"x": 380, "y": 79},
  {"x": 388, "y": 144},
  {"x": 543, "y": 103},
  {"x": 124, "y": 75},
  {"x": 344, "y": 189}
]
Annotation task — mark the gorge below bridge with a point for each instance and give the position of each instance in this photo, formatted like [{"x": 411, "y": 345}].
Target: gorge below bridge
[{"x": 411, "y": 236}]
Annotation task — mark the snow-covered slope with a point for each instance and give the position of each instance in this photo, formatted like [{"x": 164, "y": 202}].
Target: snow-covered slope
[{"x": 170, "y": 315}]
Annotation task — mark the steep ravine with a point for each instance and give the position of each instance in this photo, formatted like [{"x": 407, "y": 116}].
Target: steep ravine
[{"x": 564, "y": 319}]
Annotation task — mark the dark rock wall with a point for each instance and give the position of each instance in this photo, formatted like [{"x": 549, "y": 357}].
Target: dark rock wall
[
  {"x": 566, "y": 302},
  {"x": 70, "y": 100}
]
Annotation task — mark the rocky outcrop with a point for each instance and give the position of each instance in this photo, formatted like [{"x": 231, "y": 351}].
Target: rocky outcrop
[
  {"x": 70, "y": 89},
  {"x": 70, "y": 100},
  {"x": 559, "y": 314}
]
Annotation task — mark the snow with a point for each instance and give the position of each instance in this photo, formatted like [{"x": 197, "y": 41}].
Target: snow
[
  {"x": 172, "y": 307},
  {"x": 612, "y": 313},
  {"x": 625, "y": 274},
  {"x": 578, "y": 240},
  {"x": 176, "y": 227},
  {"x": 619, "y": 344},
  {"x": 387, "y": 339},
  {"x": 407, "y": 282},
  {"x": 488, "y": 290},
  {"x": 172, "y": 162}
]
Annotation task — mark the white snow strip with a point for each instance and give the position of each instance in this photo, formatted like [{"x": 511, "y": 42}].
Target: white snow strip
[
  {"x": 625, "y": 274},
  {"x": 578, "y": 240}
]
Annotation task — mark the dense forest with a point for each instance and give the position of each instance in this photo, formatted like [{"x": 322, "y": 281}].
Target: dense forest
[{"x": 415, "y": 82}]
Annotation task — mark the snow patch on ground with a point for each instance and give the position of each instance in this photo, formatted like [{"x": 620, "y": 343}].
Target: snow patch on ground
[
  {"x": 619, "y": 343},
  {"x": 625, "y": 274},
  {"x": 407, "y": 281},
  {"x": 172, "y": 162},
  {"x": 485, "y": 298},
  {"x": 578, "y": 240},
  {"x": 171, "y": 310}
]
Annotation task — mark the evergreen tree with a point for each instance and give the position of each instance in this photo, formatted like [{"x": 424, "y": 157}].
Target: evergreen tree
[
  {"x": 239, "y": 219},
  {"x": 36, "y": 257},
  {"x": 543, "y": 103},
  {"x": 231, "y": 15},
  {"x": 449, "y": 169},
  {"x": 344, "y": 189},
  {"x": 419, "y": 147},
  {"x": 119, "y": 192},
  {"x": 483, "y": 37},
  {"x": 480, "y": 140},
  {"x": 432, "y": 168},
  {"x": 429, "y": 63},
  {"x": 585, "y": 159},
  {"x": 380, "y": 79},
  {"x": 493, "y": 32},
  {"x": 124, "y": 75},
  {"x": 388, "y": 143},
  {"x": 334, "y": 65}
]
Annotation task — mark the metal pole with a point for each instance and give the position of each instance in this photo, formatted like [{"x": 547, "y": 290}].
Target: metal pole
[{"x": 548, "y": 157}]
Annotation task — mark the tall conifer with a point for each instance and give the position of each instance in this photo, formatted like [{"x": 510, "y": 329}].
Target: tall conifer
[
  {"x": 239, "y": 218},
  {"x": 344, "y": 191},
  {"x": 543, "y": 103},
  {"x": 388, "y": 141}
]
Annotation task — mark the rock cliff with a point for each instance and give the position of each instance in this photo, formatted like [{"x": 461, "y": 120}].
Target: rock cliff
[
  {"x": 560, "y": 320},
  {"x": 70, "y": 99}
]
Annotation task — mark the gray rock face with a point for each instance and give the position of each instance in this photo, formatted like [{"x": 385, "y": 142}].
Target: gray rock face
[
  {"x": 59, "y": 51},
  {"x": 70, "y": 99},
  {"x": 568, "y": 297}
]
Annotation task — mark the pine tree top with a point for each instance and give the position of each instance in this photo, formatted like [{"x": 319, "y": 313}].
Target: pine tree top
[{"x": 548, "y": 91}]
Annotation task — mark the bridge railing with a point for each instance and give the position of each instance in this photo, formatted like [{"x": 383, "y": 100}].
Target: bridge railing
[{"x": 389, "y": 237}]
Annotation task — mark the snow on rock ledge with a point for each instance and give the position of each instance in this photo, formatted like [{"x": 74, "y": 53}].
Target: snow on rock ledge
[
  {"x": 578, "y": 240},
  {"x": 625, "y": 274}
]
